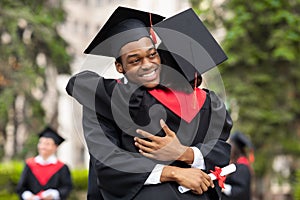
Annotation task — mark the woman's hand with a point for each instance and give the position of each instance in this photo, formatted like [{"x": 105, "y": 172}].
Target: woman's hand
[{"x": 165, "y": 148}]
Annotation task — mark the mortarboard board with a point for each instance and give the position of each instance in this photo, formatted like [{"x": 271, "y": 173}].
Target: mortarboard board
[
  {"x": 123, "y": 26},
  {"x": 241, "y": 140},
  {"x": 175, "y": 61},
  {"x": 50, "y": 133},
  {"x": 188, "y": 40}
]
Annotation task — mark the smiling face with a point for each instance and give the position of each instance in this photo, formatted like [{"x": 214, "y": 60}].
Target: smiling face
[
  {"x": 140, "y": 63},
  {"x": 46, "y": 147}
]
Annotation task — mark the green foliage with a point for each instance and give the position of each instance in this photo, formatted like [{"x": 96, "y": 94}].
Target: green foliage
[
  {"x": 30, "y": 29},
  {"x": 10, "y": 174},
  {"x": 297, "y": 186},
  {"x": 30, "y": 147},
  {"x": 6, "y": 101},
  {"x": 263, "y": 39},
  {"x": 6, "y": 195},
  {"x": 79, "y": 177},
  {"x": 262, "y": 73}
]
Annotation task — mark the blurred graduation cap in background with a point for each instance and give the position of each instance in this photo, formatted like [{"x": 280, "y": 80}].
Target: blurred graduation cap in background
[
  {"x": 243, "y": 143},
  {"x": 123, "y": 26},
  {"x": 48, "y": 132},
  {"x": 189, "y": 43},
  {"x": 241, "y": 140}
]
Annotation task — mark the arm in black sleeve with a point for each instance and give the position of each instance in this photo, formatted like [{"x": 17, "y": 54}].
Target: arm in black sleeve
[
  {"x": 215, "y": 149},
  {"x": 240, "y": 182},
  {"x": 22, "y": 184},
  {"x": 121, "y": 174},
  {"x": 89, "y": 90},
  {"x": 93, "y": 190},
  {"x": 65, "y": 185}
]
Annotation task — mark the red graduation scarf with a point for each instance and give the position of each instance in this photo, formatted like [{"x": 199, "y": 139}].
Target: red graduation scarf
[
  {"x": 180, "y": 103},
  {"x": 43, "y": 173},
  {"x": 243, "y": 160}
]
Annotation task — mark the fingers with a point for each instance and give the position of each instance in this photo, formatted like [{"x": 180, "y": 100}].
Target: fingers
[
  {"x": 197, "y": 191},
  {"x": 163, "y": 125},
  {"x": 212, "y": 183},
  {"x": 146, "y": 134},
  {"x": 208, "y": 181},
  {"x": 141, "y": 142},
  {"x": 142, "y": 145},
  {"x": 148, "y": 155},
  {"x": 166, "y": 129},
  {"x": 203, "y": 187}
]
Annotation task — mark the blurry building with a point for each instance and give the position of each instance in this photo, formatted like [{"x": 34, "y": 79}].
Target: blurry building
[{"x": 83, "y": 21}]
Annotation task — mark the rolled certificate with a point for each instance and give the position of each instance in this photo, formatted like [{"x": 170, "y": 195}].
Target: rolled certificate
[{"x": 225, "y": 171}]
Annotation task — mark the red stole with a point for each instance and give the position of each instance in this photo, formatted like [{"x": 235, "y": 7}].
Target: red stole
[
  {"x": 243, "y": 160},
  {"x": 184, "y": 105},
  {"x": 43, "y": 173}
]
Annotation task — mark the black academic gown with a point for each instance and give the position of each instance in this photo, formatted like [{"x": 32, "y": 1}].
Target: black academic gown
[
  {"x": 240, "y": 181},
  {"x": 112, "y": 113},
  {"x": 57, "y": 176}
]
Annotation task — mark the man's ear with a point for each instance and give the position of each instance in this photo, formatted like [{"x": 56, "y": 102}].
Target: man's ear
[{"x": 119, "y": 67}]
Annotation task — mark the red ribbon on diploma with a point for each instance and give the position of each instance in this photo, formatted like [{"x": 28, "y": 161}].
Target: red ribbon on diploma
[{"x": 217, "y": 173}]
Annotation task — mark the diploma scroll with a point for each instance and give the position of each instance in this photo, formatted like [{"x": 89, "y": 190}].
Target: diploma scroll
[{"x": 225, "y": 171}]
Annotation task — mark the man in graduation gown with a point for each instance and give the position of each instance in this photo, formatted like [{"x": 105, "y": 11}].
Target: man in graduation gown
[
  {"x": 44, "y": 176},
  {"x": 238, "y": 184},
  {"x": 147, "y": 134}
]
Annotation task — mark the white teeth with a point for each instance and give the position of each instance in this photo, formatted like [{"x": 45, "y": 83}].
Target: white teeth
[{"x": 150, "y": 74}]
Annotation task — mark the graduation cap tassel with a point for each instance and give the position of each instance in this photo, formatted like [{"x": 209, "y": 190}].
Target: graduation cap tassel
[
  {"x": 195, "y": 92},
  {"x": 153, "y": 36}
]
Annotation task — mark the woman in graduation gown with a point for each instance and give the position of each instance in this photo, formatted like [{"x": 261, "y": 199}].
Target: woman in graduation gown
[
  {"x": 44, "y": 176},
  {"x": 238, "y": 184},
  {"x": 194, "y": 122}
]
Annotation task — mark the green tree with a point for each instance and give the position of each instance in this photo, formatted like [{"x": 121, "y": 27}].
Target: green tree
[
  {"x": 30, "y": 46},
  {"x": 262, "y": 74}
]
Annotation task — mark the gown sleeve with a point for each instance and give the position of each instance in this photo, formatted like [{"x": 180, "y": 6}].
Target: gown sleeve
[
  {"x": 22, "y": 184},
  {"x": 215, "y": 149},
  {"x": 120, "y": 173},
  {"x": 65, "y": 185},
  {"x": 240, "y": 182},
  {"x": 93, "y": 190}
]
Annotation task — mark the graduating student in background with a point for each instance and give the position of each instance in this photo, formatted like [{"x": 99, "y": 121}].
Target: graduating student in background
[
  {"x": 238, "y": 184},
  {"x": 44, "y": 176},
  {"x": 154, "y": 129}
]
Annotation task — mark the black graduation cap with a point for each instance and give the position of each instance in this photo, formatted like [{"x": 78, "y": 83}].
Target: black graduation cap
[
  {"x": 124, "y": 25},
  {"x": 188, "y": 40},
  {"x": 175, "y": 61},
  {"x": 241, "y": 140},
  {"x": 48, "y": 132}
]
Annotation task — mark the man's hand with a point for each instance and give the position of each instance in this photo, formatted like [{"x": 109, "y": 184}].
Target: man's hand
[
  {"x": 165, "y": 148},
  {"x": 192, "y": 178}
]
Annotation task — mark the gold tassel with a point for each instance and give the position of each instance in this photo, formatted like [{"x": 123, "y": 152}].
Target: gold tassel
[
  {"x": 195, "y": 92},
  {"x": 153, "y": 36}
]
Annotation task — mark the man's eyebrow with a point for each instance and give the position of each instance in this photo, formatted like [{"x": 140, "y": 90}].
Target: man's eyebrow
[
  {"x": 136, "y": 55},
  {"x": 132, "y": 55}
]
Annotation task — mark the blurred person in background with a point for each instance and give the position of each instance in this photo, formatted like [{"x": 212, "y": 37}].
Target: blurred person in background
[
  {"x": 238, "y": 184},
  {"x": 44, "y": 176}
]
